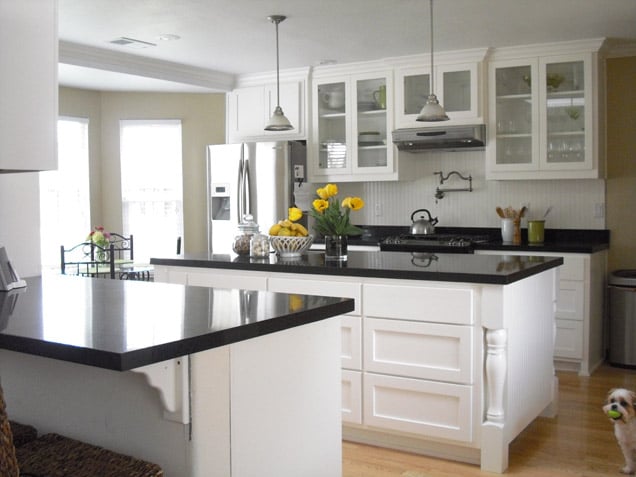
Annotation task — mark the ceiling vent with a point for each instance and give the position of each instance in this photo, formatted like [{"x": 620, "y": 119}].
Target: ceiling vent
[{"x": 131, "y": 43}]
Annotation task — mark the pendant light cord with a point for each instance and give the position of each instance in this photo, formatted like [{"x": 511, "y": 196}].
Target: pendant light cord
[
  {"x": 277, "y": 21},
  {"x": 432, "y": 73}
]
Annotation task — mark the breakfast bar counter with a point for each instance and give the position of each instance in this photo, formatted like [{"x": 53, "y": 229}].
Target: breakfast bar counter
[
  {"x": 202, "y": 381},
  {"x": 448, "y": 355}
]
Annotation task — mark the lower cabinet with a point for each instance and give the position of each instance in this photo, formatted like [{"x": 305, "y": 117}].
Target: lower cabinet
[
  {"x": 579, "y": 313},
  {"x": 416, "y": 357}
]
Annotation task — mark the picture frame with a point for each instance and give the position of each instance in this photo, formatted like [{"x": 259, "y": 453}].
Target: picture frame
[{"x": 9, "y": 278}]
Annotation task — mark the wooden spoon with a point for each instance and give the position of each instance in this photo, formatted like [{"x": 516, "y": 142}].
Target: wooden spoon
[
  {"x": 523, "y": 211},
  {"x": 500, "y": 212}
]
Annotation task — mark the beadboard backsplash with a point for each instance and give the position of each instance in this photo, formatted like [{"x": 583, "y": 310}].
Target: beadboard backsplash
[{"x": 576, "y": 204}]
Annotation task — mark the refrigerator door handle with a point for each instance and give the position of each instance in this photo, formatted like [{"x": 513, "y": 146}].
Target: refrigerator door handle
[
  {"x": 247, "y": 187},
  {"x": 240, "y": 203}
]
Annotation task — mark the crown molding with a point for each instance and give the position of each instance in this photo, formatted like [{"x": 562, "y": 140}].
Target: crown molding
[{"x": 108, "y": 60}]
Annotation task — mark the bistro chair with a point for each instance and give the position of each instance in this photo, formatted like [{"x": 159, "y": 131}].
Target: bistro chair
[
  {"x": 123, "y": 246},
  {"x": 88, "y": 260},
  {"x": 56, "y": 455}
]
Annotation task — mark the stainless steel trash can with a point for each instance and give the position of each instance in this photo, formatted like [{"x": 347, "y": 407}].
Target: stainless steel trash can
[{"x": 622, "y": 318}]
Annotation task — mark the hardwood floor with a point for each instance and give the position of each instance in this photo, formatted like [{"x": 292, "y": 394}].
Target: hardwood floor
[{"x": 578, "y": 442}]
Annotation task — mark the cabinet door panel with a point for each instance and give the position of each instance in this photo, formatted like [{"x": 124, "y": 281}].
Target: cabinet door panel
[
  {"x": 421, "y": 350},
  {"x": 352, "y": 396},
  {"x": 426, "y": 408},
  {"x": 435, "y": 304},
  {"x": 351, "y": 333}
]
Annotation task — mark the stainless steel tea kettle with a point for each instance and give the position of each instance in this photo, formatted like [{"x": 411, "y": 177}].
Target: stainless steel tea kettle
[{"x": 423, "y": 226}]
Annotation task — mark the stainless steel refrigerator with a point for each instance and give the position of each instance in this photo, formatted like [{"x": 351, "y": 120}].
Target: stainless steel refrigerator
[{"x": 262, "y": 179}]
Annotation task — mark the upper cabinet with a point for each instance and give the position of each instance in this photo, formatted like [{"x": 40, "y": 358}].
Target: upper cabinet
[
  {"x": 351, "y": 128},
  {"x": 458, "y": 84},
  {"x": 252, "y": 103},
  {"x": 28, "y": 85},
  {"x": 545, "y": 114}
]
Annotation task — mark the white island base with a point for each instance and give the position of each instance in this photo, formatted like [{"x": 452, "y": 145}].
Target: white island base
[
  {"x": 454, "y": 370},
  {"x": 267, "y": 406}
]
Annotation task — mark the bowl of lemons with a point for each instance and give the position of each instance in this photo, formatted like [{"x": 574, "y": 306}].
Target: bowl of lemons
[
  {"x": 289, "y": 246},
  {"x": 289, "y": 239}
]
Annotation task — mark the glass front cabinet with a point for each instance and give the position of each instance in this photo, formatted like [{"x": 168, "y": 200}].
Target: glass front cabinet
[
  {"x": 541, "y": 123},
  {"x": 351, "y": 138},
  {"x": 456, "y": 87}
]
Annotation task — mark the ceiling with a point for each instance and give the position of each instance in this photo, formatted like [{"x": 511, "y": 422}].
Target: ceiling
[{"x": 219, "y": 39}]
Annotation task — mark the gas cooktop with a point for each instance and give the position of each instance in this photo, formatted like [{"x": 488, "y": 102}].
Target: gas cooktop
[{"x": 441, "y": 243}]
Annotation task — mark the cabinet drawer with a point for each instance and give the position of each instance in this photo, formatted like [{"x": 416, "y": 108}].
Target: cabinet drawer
[
  {"x": 318, "y": 287},
  {"x": 569, "y": 339},
  {"x": 571, "y": 300},
  {"x": 426, "y": 408},
  {"x": 434, "y": 304},
  {"x": 352, "y": 396},
  {"x": 421, "y": 350},
  {"x": 227, "y": 280},
  {"x": 351, "y": 334},
  {"x": 573, "y": 268}
]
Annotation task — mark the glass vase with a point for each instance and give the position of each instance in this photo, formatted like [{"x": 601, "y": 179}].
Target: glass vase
[{"x": 335, "y": 247}]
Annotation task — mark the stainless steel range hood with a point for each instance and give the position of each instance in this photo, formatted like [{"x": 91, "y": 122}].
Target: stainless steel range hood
[{"x": 449, "y": 138}]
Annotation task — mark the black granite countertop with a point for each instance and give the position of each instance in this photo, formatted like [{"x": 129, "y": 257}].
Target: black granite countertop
[
  {"x": 487, "y": 269},
  {"x": 556, "y": 240},
  {"x": 121, "y": 325}
]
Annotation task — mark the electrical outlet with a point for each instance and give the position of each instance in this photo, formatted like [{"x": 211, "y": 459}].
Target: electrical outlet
[
  {"x": 378, "y": 210},
  {"x": 299, "y": 172},
  {"x": 599, "y": 211}
]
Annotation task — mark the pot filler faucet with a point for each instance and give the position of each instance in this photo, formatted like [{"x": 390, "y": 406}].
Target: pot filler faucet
[{"x": 440, "y": 193}]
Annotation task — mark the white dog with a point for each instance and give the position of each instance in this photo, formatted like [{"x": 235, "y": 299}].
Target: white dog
[{"x": 620, "y": 409}]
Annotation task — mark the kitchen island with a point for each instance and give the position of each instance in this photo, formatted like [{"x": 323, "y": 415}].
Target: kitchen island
[
  {"x": 446, "y": 355},
  {"x": 203, "y": 382}
]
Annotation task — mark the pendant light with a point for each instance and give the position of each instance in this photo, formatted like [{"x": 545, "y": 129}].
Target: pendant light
[
  {"x": 278, "y": 121},
  {"x": 432, "y": 110}
]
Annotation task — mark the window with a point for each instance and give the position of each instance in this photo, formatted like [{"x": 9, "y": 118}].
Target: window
[
  {"x": 151, "y": 185},
  {"x": 65, "y": 193}
]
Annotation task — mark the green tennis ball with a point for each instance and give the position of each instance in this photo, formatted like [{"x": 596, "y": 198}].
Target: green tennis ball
[{"x": 614, "y": 414}]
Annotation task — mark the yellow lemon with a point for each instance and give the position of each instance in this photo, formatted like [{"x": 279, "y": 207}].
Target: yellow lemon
[
  {"x": 284, "y": 232},
  {"x": 302, "y": 231},
  {"x": 273, "y": 230}
]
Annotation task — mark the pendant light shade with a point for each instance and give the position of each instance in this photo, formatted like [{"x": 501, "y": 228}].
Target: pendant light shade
[
  {"x": 278, "y": 121},
  {"x": 432, "y": 110}
]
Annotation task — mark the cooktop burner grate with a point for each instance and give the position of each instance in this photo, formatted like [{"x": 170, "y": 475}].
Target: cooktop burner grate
[{"x": 449, "y": 243}]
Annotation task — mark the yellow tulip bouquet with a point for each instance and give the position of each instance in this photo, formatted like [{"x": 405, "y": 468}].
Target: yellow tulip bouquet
[{"x": 332, "y": 215}]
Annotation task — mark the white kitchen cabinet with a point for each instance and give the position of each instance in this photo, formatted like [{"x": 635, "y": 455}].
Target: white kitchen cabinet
[
  {"x": 250, "y": 106},
  {"x": 579, "y": 309},
  {"x": 545, "y": 113},
  {"x": 457, "y": 88},
  {"x": 351, "y": 130},
  {"x": 459, "y": 84},
  {"x": 28, "y": 61}
]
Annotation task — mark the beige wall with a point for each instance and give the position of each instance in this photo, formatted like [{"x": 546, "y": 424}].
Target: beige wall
[
  {"x": 203, "y": 122},
  {"x": 621, "y": 163}
]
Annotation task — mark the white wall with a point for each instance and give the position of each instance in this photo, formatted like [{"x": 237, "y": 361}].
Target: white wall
[
  {"x": 20, "y": 221},
  {"x": 573, "y": 201}
]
